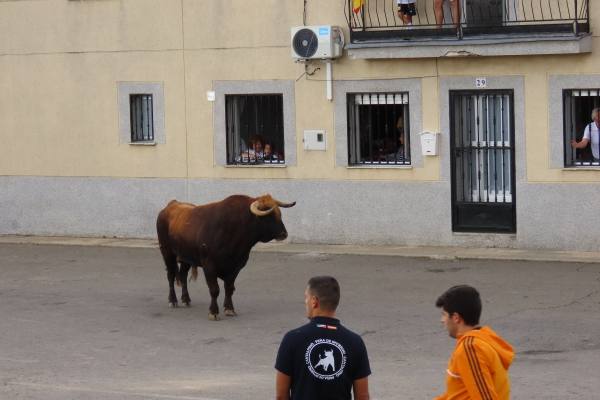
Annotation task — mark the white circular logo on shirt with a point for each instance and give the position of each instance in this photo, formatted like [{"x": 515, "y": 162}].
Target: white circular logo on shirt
[{"x": 325, "y": 359}]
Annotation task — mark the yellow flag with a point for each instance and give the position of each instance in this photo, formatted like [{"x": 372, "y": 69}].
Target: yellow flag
[{"x": 357, "y": 5}]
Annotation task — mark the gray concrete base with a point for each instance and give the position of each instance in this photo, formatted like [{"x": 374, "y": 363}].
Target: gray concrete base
[{"x": 380, "y": 213}]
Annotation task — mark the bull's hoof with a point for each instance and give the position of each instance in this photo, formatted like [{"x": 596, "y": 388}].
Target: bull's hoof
[
  {"x": 186, "y": 303},
  {"x": 172, "y": 304},
  {"x": 230, "y": 313},
  {"x": 213, "y": 317}
]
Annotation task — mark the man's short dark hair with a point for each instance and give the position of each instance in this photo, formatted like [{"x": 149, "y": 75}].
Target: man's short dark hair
[
  {"x": 327, "y": 290},
  {"x": 463, "y": 300}
]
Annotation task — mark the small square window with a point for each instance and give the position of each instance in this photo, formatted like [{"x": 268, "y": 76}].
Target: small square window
[
  {"x": 142, "y": 118},
  {"x": 378, "y": 129},
  {"x": 581, "y": 135},
  {"x": 254, "y": 125}
]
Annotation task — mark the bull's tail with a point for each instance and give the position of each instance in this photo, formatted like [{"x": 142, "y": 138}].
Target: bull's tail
[{"x": 194, "y": 274}]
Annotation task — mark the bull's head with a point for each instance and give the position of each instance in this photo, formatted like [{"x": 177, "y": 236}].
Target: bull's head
[{"x": 267, "y": 208}]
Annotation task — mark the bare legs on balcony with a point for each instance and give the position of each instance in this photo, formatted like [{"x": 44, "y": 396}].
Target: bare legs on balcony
[
  {"x": 406, "y": 10},
  {"x": 438, "y": 8}
]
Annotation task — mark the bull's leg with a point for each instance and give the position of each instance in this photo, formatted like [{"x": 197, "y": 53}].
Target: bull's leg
[
  {"x": 229, "y": 289},
  {"x": 213, "y": 288},
  {"x": 172, "y": 270},
  {"x": 183, "y": 272}
]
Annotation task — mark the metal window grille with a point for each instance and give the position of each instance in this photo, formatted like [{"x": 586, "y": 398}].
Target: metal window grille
[
  {"x": 577, "y": 109},
  {"x": 254, "y": 124},
  {"x": 378, "y": 129},
  {"x": 141, "y": 117},
  {"x": 483, "y": 148}
]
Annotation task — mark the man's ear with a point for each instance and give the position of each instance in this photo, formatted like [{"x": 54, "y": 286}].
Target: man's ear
[
  {"x": 314, "y": 301},
  {"x": 456, "y": 318}
]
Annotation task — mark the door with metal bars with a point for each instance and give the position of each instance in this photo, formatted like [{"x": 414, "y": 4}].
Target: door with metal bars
[{"x": 482, "y": 156}]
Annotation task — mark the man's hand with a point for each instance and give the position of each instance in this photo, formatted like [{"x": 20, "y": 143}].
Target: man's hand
[{"x": 579, "y": 145}]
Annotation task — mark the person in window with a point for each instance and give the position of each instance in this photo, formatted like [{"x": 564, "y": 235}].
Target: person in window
[
  {"x": 398, "y": 154},
  {"x": 255, "y": 152},
  {"x": 269, "y": 154},
  {"x": 406, "y": 10},
  {"x": 590, "y": 134},
  {"x": 438, "y": 10}
]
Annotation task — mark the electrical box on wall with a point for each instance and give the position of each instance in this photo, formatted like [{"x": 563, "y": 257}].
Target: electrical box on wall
[{"x": 315, "y": 140}]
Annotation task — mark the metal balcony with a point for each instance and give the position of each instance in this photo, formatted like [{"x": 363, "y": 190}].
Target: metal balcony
[{"x": 378, "y": 20}]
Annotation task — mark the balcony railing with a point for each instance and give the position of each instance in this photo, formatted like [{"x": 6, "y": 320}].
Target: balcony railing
[{"x": 378, "y": 20}]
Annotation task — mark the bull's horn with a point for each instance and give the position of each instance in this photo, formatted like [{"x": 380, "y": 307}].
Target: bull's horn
[
  {"x": 285, "y": 205},
  {"x": 260, "y": 213}
]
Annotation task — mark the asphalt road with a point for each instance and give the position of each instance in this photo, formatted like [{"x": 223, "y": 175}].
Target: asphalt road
[{"x": 81, "y": 322}]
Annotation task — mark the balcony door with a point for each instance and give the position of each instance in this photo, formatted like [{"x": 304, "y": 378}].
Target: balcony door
[
  {"x": 482, "y": 156},
  {"x": 483, "y": 12}
]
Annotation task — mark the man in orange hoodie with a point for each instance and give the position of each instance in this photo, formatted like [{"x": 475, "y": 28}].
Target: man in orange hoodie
[{"x": 478, "y": 367}]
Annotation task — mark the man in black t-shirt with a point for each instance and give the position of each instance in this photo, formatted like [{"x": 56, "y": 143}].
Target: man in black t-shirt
[{"x": 322, "y": 360}]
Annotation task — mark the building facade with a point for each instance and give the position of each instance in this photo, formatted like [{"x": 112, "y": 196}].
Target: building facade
[{"x": 111, "y": 108}]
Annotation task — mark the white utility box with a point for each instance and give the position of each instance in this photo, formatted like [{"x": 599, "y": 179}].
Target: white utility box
[
  {"x": 315, "y": 140},
  {"x": 429, "y": 143}
]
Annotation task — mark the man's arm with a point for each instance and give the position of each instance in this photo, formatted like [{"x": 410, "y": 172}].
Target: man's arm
[
  {"x": 361, "y": 389},
  {"x": 581, "y": 144},
  {"x": 282, "y": 386}
]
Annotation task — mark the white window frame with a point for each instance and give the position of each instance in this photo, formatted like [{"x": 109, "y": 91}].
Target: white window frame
[{"x": 284, "y": 87}]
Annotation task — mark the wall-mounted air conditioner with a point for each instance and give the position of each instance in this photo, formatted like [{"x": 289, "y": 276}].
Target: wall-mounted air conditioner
[{"x": 317, "y": 42}]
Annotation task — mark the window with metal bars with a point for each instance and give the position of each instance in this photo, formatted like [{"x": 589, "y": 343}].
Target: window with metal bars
[
  {"x": 142, "y": 118},
  {"x": 581, "y": 142},
  {"x": 378, "y": 129},
  {"x": 254, "y": 124}
]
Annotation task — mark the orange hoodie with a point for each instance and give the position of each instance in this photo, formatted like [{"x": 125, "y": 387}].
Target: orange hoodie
[{"x": 478, "y": 368}]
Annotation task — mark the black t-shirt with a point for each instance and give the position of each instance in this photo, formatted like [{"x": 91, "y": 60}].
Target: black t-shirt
[{"x": 323, "y": 359}]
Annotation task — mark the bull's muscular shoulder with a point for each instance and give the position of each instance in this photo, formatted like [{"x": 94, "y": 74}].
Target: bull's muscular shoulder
[
  {"x": 177, "y": 207},
  {"x": 174, "y": 211},
  {"x": 176, "y": 204}
]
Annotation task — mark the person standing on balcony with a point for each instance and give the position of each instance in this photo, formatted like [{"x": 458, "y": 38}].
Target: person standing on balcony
[
  {"x": 438, "y": 9},
  {"x": 406, "y": 10},
  {"x": 591, "y": 133}
]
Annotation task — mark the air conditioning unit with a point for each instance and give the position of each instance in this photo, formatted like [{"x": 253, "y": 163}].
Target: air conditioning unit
[{"x": 317, "y": 42}]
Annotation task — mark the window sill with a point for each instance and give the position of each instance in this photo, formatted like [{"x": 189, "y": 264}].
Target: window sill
[
  {"x": 582, "y": 168},
  {"x": 510, "y": 235},
  {"x": 267, "y": 165},
  {"x": 142, "y": 143},
  {"x": 383, "y": 166}
]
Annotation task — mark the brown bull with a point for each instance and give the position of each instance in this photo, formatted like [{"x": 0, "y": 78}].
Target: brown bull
[{"x": 217, "y": 237}]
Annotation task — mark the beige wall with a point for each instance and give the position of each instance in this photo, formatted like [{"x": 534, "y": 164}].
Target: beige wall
[{"x": 60, "y": 70}]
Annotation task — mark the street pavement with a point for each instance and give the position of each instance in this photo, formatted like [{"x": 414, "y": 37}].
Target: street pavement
[{"x": 89, "y": 319}]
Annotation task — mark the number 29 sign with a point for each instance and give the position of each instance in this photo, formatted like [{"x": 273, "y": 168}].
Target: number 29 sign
[{"x": 481, "y": 83}]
